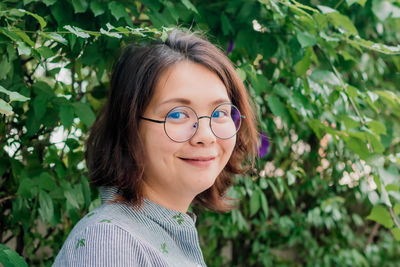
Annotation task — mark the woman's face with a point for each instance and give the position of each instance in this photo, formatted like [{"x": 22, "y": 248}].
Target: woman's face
[{"x": 176, "y": 172}]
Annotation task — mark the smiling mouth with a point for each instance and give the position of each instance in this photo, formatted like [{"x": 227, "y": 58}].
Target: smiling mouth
[
  {"x": 200, "y": 161},
  {"x": 199, "y": 158}
]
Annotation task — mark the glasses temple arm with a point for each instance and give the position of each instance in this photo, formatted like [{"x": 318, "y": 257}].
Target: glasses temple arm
[{"x": 147, "y": 119}]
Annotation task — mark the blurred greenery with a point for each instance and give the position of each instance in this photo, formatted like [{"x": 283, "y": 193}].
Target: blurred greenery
[{"x": 324, "y": 76}]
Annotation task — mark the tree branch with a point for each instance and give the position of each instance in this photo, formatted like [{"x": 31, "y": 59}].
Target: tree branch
[
  {"x": 6, "y": 198},
  {"x": 338, "y": 4},
  {"x": 396, "y": 222},
  {"x": 7, "y": 239},
  {"x": 372, "y": 235}
]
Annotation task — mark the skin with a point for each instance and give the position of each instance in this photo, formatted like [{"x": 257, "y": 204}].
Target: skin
[{"x": 176, "y": 172}]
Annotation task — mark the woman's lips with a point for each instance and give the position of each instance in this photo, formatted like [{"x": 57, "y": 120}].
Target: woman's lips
[{"x": 199, "y": 161}]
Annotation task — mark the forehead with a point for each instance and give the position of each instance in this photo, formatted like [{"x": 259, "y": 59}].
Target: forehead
[{"x": 189, "y": 82}]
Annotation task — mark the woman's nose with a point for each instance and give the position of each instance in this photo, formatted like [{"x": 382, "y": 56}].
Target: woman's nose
[{"x": 204, "y": 134}]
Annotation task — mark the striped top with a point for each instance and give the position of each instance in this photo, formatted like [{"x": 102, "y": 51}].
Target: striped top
[{"x": 116, "y": 234}]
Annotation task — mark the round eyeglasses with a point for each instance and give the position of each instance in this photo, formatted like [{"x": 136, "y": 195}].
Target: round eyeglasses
[{"x": 181, "y": 123}]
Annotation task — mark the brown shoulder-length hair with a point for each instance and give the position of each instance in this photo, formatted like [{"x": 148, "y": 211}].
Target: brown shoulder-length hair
[{"x": 114, "y": 152}]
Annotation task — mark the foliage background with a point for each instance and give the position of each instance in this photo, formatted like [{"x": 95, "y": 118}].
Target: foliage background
[{"x": 324, "y": 76}]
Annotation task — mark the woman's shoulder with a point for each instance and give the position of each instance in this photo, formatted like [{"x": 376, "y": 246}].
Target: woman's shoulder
[{"x": 101, "y": 239}]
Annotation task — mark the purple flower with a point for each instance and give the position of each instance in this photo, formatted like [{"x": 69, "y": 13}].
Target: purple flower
[
  {"x": 263, "y": 149},
  {"x": 230, "y": 47}
]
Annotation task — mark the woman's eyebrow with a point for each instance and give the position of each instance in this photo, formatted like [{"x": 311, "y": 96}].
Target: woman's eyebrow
[{"x": 186, "y": 101}]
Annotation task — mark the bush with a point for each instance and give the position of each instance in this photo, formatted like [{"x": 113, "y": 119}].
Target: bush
[{"x": 323, "y": 77}]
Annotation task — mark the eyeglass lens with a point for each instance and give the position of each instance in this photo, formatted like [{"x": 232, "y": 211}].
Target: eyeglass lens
[{"x": 181, "y": 122}]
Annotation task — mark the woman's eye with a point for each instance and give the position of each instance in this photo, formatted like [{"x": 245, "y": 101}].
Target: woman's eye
[
  {"x": 177, "y": 115},
  {"x": 219, "y": 114}
]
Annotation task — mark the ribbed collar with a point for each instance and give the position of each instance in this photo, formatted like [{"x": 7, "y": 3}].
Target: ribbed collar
[{"x": 153, "y": 210}]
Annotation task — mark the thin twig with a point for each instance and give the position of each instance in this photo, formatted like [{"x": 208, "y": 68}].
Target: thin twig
[
  {"x": 6, "y": 198},
  {"x": 86, "y": 31},
  {"x": 7, "y": 239},
  {"x": 44, "y": 238},
  {"x": 351, "y": 100},
  {"x": 23, "y": 62},
  {"x": 338, "y": 4},
  {"x": 394, "y": 216},
  {"x": 372, "y": 235}
]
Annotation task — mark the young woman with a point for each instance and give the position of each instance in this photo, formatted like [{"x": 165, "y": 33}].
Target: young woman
[{"x": 177, "y": 126}]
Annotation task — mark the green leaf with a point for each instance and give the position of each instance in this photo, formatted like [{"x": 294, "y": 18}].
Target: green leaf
[
  {"x": 396, "y": 209},
  {"x": 153, "y": 5},
  {"x": 86, "y": 191},
  {"x": 325, "y": 77},
  {"x": 225, "y": 24},
  {"x": 350, "y": 2},
  {"x": 382, "y": 9},
  {"x": 24, "y": 37},
  {"x": 170, "y": 12},
  {"x": 349, "y": 122},
  {"x": 303, "y": 65},
  {"x": 254, "y": 202},
  {"x": 84, "y": 112},
  {"x": 14, "y": 96},
  {"x": 23, "y": 49},
  {"x": 290, "y": 177},
  {"x": 13, "y": 36},
  {"x": 352, "y": 91},
  {"x": 381, "y": 215},
  {"x": 305, "y": 39},
  {"x": 360, "y": 2},
  {"x": 56, "y": 37},
  {"x": 343, "y": 22},
  {"x": 28, "y": 1},
  {"x": 42, "y": 88},
  {"x": 25, "y": 188},
  {"x": 260, "y": 83},
  {"x": 49, "y": 2},
  {"x": 189, "y": 6},
  {"x": 296, "y": 50},
  {"x": 358, "y": 146},
  {"x": 46, "y": 208},
  {"x": 395, "y": 12},
  {"x": 97, "y": 8},
  {"x": 269, "y": 46},
  {"x": 264, "y": 204},
  {"x": 263, "y": 183},
  {"x": 74, "y": 196},
  {"x": 41, "y": 21},
  {"x": 10, "y": 258},
  {"x": 241, "y": 73},
  {"x": 72, "y": 143},
  {"x": 40, "y": 106},
  {"x": 111, "y": 34},
  {"x": 71, "y": 198},
  {"x": 67, "y": 115},
  {"x": 80, "y": 6},
  {"x": 77, "y": 31},
  {"x": 117, "y": 10},
  {"x": 376, "y": 143},
  {"x": 5, "y": 108},
  {"x": 373, "y": 197},
  {"x": 396, "y": 233},
  {"x": 326, "y": 9},
  {"x": 387, "y": 176},
  {"x": 5, "y": 67},
  {"x": 277, "y": 107},
  {"x": 376, "y": 160},
  {"x": 47, "y": 182},
  {"x": 45, "y": 52}
]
